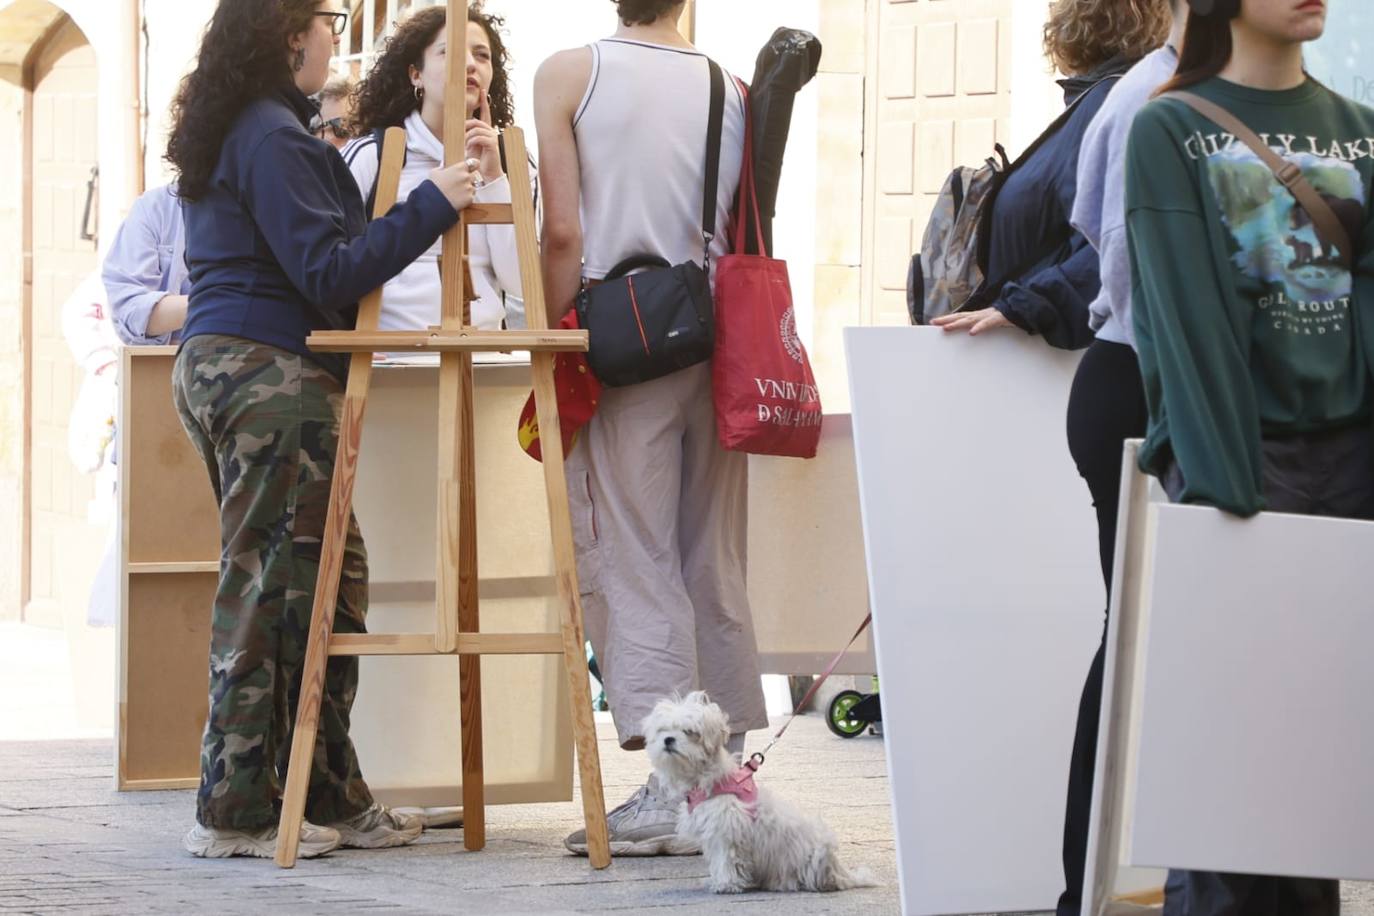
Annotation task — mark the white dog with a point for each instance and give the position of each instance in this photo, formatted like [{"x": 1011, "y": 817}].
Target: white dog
[{"x": 750, "y": 839}]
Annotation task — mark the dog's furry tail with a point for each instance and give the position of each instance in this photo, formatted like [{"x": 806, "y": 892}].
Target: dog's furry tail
[{"x": 848, "y": 878}]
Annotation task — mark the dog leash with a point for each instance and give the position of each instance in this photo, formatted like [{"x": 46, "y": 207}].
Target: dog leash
[{"x": 756, "y": 759}]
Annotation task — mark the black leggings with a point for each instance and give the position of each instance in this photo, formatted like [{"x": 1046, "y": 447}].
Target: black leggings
[{"x": 1106, "y": 407}]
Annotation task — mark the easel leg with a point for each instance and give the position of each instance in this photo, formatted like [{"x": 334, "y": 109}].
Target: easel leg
[
  {"x": 469, "y": 666},
  {"x": 570, "y": 614},
  {"x": 322, "y": 614}
]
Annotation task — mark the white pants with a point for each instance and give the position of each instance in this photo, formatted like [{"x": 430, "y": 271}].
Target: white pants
[{"x": 660, "y": 517}]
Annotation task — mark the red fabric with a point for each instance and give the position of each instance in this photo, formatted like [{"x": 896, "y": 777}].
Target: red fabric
[
  {"x": 578, "y": 394},
  {"x": 765, "y": 394}
]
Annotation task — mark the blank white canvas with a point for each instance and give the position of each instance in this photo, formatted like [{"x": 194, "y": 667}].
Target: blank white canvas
[
  {"x": 1256, "y": 738},
  {"x": 988, "y": 605}
]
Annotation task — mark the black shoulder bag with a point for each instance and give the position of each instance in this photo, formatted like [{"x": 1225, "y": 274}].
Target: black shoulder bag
[{"x": 643, "y": 326}]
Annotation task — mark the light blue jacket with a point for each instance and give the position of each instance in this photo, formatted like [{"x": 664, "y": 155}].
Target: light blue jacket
[
  {"x": 1099, "y": 209},
  {"x": 146, "y": 262}
]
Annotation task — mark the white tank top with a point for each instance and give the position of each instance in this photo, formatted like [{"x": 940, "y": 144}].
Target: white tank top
[{"x": 641, "y": 145}]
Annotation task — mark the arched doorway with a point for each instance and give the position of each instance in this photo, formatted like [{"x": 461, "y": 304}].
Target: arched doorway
[{"x": 64, "y": 546}]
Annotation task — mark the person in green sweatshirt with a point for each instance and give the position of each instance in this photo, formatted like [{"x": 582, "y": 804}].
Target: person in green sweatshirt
[{"x": 1255, "y": 332}]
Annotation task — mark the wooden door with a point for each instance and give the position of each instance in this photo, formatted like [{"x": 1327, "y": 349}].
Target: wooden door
[{"x": 64, "y": 549}]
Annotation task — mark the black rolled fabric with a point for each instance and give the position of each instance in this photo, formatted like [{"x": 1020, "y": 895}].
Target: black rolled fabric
[{"x": 785, "y": 65}]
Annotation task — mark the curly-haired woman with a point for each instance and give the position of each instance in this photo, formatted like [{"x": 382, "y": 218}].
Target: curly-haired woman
[
  {"x": 406, "y": 89},
  {"x": 278, "y": 246}
]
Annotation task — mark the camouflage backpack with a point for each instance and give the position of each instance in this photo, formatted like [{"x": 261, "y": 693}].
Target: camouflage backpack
[
  {"x": 946, "y": 275},
  {"x": 946, "y": 272}
]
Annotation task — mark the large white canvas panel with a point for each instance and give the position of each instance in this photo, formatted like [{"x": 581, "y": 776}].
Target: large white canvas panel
[
  {"x": 1255, "y": 750},
  {"x": 987, "y": 599}
]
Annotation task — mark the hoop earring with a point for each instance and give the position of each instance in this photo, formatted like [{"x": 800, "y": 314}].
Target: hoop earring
[
  {"x": 298, "y": 60},
  {"x": 419, "y": 94}
]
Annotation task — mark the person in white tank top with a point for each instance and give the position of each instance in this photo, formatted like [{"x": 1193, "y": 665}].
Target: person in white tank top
[
  {"x": 405, "y": 88},
  {"x": 659, "y": 508}
]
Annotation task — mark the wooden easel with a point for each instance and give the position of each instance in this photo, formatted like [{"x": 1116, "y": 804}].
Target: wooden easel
[{"x": 456, "y": 611}]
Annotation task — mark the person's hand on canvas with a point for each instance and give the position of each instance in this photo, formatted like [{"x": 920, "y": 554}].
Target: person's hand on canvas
[{"x": 975, "y": 322}]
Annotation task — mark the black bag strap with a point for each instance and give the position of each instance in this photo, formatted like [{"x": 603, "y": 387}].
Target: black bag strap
[
  {"x": 990, "y": 288},
  {"x": 379, "y": 139},
  {"x": 714, "y": 130}
]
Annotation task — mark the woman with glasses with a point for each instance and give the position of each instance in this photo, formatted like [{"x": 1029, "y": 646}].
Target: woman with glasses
[
  {"x": 406, "y": 89},
  {"x": 278, "y": 247}
]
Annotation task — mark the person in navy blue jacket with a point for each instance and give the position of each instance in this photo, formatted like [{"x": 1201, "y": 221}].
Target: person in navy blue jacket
[
  {"x": 278, "y": 246},
  {"x": 1041, "y": 273}
]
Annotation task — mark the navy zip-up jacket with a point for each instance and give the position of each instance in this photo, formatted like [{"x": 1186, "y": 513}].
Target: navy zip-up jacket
[
  {"x": 1050, "y": 272},
  {"x": 279, "y": 245}
]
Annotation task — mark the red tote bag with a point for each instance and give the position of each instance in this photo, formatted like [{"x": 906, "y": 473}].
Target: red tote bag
[
  {"x": 765, "y": 394},
  {"x": 578, "y": 392}
]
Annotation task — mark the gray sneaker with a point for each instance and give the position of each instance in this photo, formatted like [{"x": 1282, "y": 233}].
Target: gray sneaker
[
  {"x": 645, "y": 825},
  {"x": 379, "y": 828},
  {"x": 214, "y": 843}
]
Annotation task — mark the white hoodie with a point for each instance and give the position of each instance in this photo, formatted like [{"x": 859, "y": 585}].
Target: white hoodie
[{"x": 411, "y": 300}]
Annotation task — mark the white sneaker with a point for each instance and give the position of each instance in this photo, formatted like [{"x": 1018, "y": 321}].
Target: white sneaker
[
  {"x": 379, "y": 828},
  {"x": 214, "y": 843},
  {"x": 644, "y": 825}
]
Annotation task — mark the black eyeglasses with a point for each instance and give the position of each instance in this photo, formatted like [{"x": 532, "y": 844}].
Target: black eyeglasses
[
  {"x": 340, "y": 22},
  {"x": 318, "y": 127}
]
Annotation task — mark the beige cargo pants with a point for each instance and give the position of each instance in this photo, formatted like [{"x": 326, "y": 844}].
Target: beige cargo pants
[{"x": 660, "y": 515}]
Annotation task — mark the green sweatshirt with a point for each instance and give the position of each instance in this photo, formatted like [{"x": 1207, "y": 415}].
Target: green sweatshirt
[{"x": 1246, "y": 326}]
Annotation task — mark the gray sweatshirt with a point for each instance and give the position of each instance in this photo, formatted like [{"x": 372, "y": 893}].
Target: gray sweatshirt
[{"x": 1099, "y": 210}]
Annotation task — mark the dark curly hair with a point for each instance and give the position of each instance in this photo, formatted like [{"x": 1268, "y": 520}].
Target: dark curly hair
[
  {"x": 643, "y": 12},
  {"x": 386, "y": 97},
  {"x": 243, "y": 56}
]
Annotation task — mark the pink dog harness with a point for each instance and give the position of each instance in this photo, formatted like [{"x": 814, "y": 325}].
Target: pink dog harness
[{"x": 740, "y": 784}]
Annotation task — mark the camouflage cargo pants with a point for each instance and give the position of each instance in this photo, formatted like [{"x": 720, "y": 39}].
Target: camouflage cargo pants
[{"x": 266, "y": 422}]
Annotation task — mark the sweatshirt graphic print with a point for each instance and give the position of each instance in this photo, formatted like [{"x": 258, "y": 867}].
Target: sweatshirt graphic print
[{"x": 1302, "y": 287}]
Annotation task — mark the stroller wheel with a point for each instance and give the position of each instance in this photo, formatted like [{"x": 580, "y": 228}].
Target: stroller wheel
[{"x": 838, "y": 718}]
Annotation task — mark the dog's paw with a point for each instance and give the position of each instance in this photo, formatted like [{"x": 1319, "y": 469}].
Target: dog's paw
[{"x": 727, "y": 887}]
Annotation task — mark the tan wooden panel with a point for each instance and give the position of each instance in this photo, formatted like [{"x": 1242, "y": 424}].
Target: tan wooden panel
[
  {"x": 528, "y": 737},
  {"x": 172, "y": 514},
  {"x": 162, "y": 712},
  {"x": 65, "y": 549},
  {"x": 939, "y": 71}
]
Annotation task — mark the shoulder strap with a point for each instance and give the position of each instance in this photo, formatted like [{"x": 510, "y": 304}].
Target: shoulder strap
[
  {"x": 991, "y": 287},
  {"x": 714, "y": 130},
  {"x": 1059, "y": 122},
  {"x": 1328, "y": 225},
  {"x": 379, "y": 140}
]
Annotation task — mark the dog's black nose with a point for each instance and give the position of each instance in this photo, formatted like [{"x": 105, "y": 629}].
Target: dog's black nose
[{"x": 669, "y": 741}]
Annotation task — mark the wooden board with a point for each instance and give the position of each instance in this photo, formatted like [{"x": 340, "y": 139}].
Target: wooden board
[
  {"x": 164, "y": 478},
  {"x": 1104, "y": 877},
  {"x": 808, "y": 587},
  {"x": 527, "y": 735},
  {"x": 1255, "y": 751},
  {"x": 168, "y": 638},
  {"x": 987, "y": 601},
  {"x": 1234, "y": 696}
]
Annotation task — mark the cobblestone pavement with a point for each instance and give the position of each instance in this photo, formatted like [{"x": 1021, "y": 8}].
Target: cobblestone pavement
[{"x": 70, "y": 844}]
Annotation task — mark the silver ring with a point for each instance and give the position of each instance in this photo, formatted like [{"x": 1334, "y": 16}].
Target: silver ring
[{"x": 473, "y": 164}]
